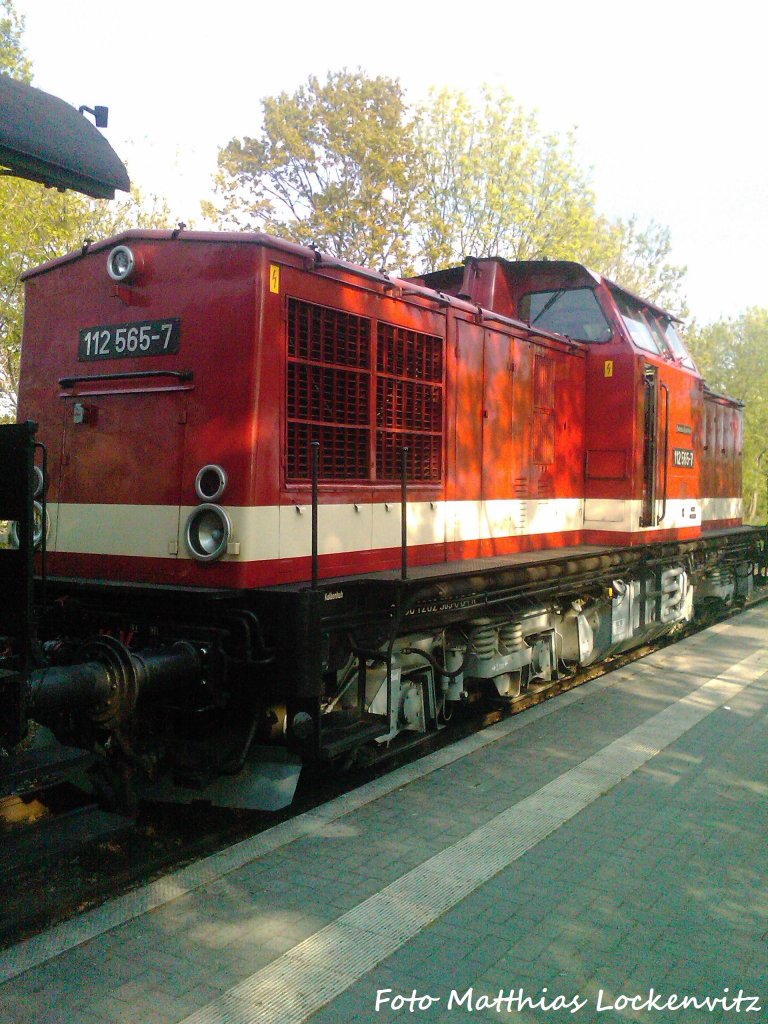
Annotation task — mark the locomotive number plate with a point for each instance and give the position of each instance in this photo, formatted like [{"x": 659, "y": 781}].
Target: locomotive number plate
[
  {"x": 124, "y": 341},
  {"x": 682, "y": 457}
]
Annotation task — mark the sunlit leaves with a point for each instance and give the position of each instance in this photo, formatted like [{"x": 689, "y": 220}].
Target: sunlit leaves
[
  {"x": 493, "y": 184},
  {"x": 13, "y": 59},
  {"x": 332, "y": 166},
  {"x": 346, "y": 166}
]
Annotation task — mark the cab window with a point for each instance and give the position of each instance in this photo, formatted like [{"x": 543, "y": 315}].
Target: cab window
[
  {"x": 675, "y": 342},
  {"x": 574, "y": 312},
  {"x": 632, "y": 315}
]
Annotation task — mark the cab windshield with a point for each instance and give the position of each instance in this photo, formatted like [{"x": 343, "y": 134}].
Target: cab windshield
[{"x": 574, "y": 312}]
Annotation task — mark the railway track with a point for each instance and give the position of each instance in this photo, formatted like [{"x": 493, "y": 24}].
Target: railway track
[{"x": 62, "y": 854}]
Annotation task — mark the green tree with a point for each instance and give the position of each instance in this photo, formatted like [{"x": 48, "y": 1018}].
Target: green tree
[
  {"x": 640, "y": 260},
  {"x": 13, "y": 58},
  {"x": 491, "y": 183},
  {"x": 346, "y": 166},
  {"x": 332, "y": 166},
  {"x": 731, "y": 357}
]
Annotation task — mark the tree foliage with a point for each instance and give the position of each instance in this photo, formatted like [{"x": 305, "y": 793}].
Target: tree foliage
[
  {"x": 639, "y": 259},
  {"x": 332, "y": 166},
  {"x": 731, "y": 357},
  {"x": 345, "y": 165},
  {"x": 38, "y": 224},
  {"x": 13, "y": 58},
  {"x": 492, "y": 184}
]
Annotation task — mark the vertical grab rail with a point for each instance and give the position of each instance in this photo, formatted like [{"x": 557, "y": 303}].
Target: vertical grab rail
[
  {"x": 404, "y": 513},
  {"x": 44, "y": 527},
  {"x": 315, "y": 445},
  {"x": 665, "y": 389}
]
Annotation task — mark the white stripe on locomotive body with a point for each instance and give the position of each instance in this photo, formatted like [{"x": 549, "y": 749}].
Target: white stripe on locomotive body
[
  {"x": 721, "y": 508},
  {"x": 271, "y": 532},
  {"x": 617, "y": 515}
]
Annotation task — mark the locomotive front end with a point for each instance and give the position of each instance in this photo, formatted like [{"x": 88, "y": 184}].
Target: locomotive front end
[
  {"x": 139, "y": 390},
  {"x": 143, "y": 392}
]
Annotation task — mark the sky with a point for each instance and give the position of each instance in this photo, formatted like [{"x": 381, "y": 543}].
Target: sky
[{"x": 666, "y": 98}]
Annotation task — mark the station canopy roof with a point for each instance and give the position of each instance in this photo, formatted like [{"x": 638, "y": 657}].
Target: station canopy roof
[{"x": 44, "y": 139}]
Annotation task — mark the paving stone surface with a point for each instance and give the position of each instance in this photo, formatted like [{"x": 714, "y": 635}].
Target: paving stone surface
[{"x": 660, "y": 883}]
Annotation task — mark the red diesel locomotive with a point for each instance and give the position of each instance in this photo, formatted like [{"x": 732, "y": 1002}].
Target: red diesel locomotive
[{"x": 282, "y": 499}]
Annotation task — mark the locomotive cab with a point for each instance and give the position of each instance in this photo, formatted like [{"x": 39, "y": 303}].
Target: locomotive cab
[{"x": 650, "y": 426}]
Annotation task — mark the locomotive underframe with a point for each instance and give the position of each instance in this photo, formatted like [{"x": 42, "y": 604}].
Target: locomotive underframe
[{"x": 189, "y": 683}]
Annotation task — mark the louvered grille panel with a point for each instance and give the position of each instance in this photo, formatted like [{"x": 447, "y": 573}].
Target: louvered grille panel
[
  {"x": 328, "y": 403},
  {"x": 409, "y": 403},
  {"x": 343, "y": 451},
  {"x": 405, "y": 404},
  {"x": 324, "y": 335},
  {"x": 411, "y": 354},
  {"x": 544, "y": 382},
  {"x": 543, "y": 438},
  {"x": 327, "y": 394},
  {"x": 546, "y": 487},
  {"x": 424, "y": 460},
  {"x": 328, "y": 399}
]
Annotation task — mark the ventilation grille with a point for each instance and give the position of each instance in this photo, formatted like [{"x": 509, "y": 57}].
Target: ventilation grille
[
  {"x": 423, "y": 461},
  {"x": 330, "y": 391},
  {"x": 406, "y": 405},
  {"x": 329, "y": 404},
  {"x": 323, "y": 335},
  {"x": 327, "y": 394},
  {"x": 409, "y": 354},
  {"x": 343, "y": 452},
  {"x": 545, "y": 487},
  {"x": 409, "y": 404}
]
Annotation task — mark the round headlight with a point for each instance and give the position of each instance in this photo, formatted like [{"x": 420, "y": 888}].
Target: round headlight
[
  {"x": 210, "y": 483},
  {"x": 37, "y": 530},
  {"x": 121, "y": 263},
  {"x": 39, "y": 481},
  {"x": 208, "y": 531}
]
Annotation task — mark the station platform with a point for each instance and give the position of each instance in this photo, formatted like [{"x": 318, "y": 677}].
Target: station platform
[{"x": 601, "y": 857}]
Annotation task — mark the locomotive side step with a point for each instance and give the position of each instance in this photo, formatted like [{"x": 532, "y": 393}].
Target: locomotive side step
[
  {"x": 338, "y": 739},
  {"x": 40, "y": 767}
]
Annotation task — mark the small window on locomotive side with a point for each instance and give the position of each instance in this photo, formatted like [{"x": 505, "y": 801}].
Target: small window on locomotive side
[
  {"x": 409, "y": 404},
  {"x": 574, "y": 312},
  {"x": 328, "y": 392},
  {"x": 677, "y": 345},
  {"x": 635, "y": 323}
]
